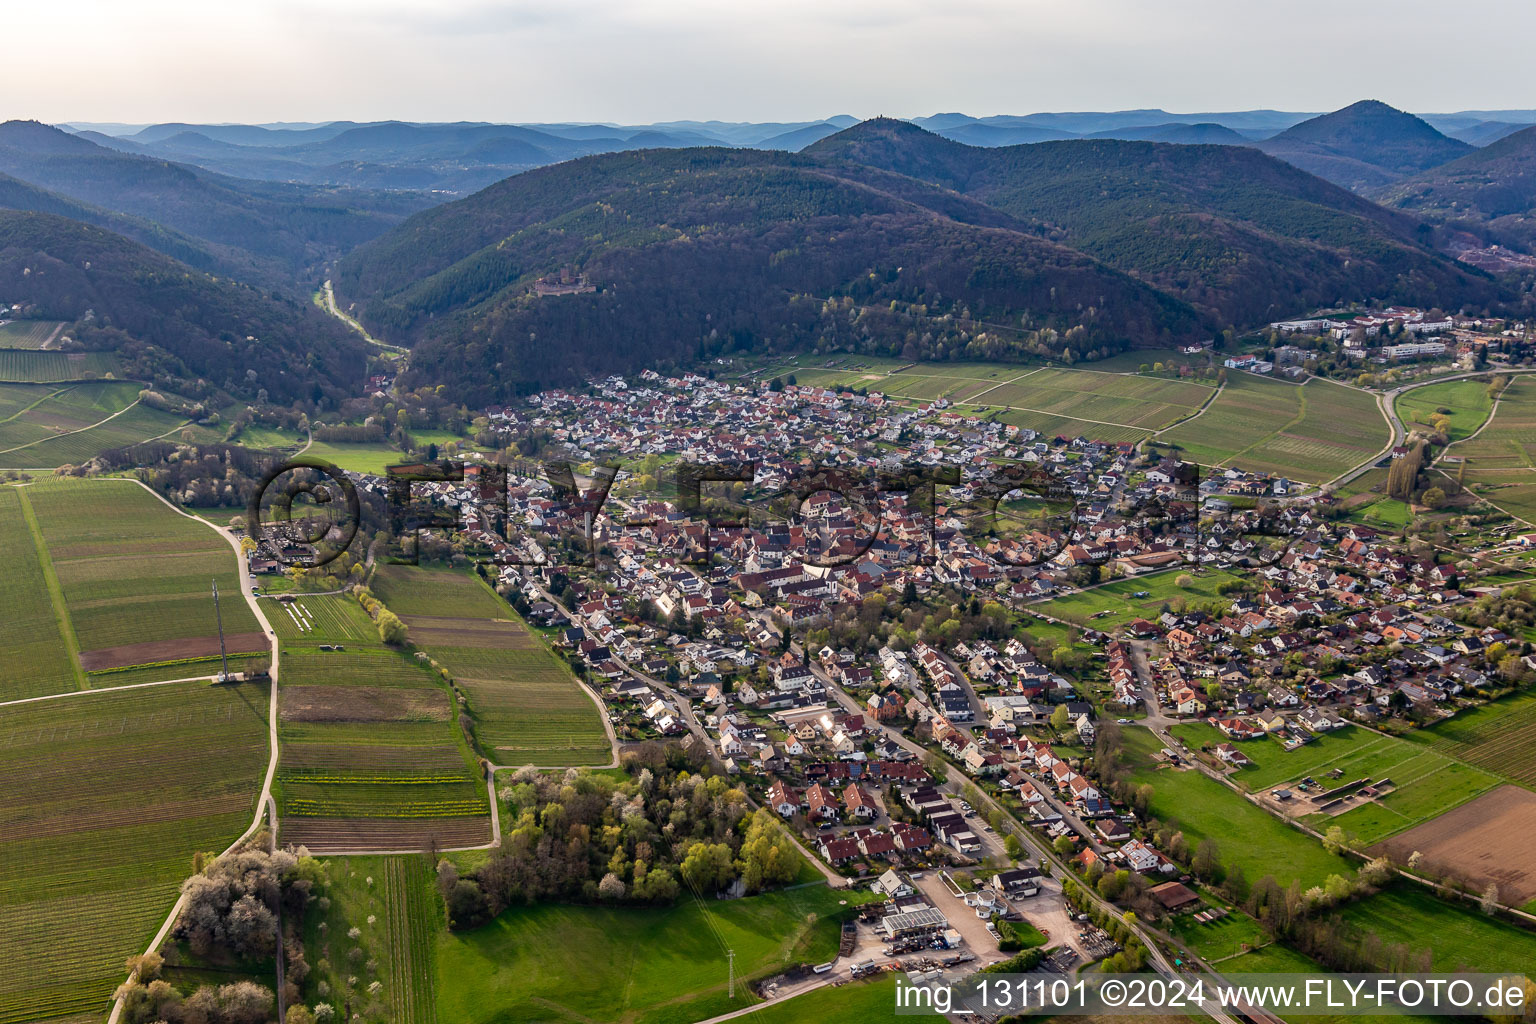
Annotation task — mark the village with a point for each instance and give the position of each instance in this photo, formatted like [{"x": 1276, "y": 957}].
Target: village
[{"x": 802, "y": 655}]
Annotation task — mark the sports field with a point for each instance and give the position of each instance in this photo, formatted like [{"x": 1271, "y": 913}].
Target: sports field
[
  {"x": 527, "y": 706},
  {"x": 1087, "y": 607},
  {"x": 107, "y": 797},
  {"x": 1501, "y": 459},
  {"x": 1426, "y": 782},
  {"x": 1310, "y": 432},
  {"x": 135, "y": 576}
]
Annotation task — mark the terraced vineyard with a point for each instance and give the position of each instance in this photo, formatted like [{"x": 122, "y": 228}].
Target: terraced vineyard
[
  {"x": 1500, "y": 460},
  {"x": 371, "y": 753},
  {"x": 1311, "y": 432},
  {"x": 37, "y": 656},
  {"x": 527, "y": 706},
  {"x": 136, "y": 576},
  {"x": 107, "y": 797}
]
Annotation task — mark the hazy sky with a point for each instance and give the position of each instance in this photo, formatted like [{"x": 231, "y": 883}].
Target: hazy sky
[{"x": 651, "y": 60}]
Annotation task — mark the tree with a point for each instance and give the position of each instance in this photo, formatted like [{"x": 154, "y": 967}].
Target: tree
[
  {"x": 1335, "y": 841},
  {"x": 1060, "y": 718},
  {"x": 391, "y": 630},
  {"x": 611, "y": 887},
  {"x": 1207, "y": 859},
  {"x": 708, "y": 867},
  {"x": 1434, "y": 497},
  {"x": 1490, "y": 901},
  {"x": 1184, "y": 581},
  {"x": 1013, "y": 847},
  {"x": 1062, "y": 845}
]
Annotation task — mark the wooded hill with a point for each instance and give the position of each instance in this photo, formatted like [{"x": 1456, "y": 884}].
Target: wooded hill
[
  {"x": 169, "y": 322},
  {"x": 698, "y": 252}
]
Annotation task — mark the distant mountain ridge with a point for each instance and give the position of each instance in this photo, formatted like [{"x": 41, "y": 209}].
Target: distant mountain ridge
[
  {"x": 1238, "y": 234},
  {"x": 1364, "y": 145},
  {"x": 264, "y": 230}
]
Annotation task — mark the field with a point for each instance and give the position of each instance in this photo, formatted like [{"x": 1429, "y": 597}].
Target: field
[
  {"x": 321, "y": 619},
  {"x": 372, "y": 757},
  {"x": 43, "y": 426},
  {"x": 1115, "y": 598},
  {"x": 527, "y": 706},
  {"x": 1096, "y": 403},
  {"x": 1500, "y": 459},
  {"x": 359, "y": 458},
  {"x": 34, "y": 365},
  {"x": 393, "y": 904},
  {"x": 637, "y": 965},
  {"x": 1311, "y": 432},
  {"x": 1467, "y": 401},
  {"x": 107, "y": 797},
  {"x": 27, "y": 333},
  {"x": 136, "y": 576},
  {"x": 37, "y": 657},
  {"x": 1428, "y": 783},
  {"x": 1458, "y": 937},
  {"x": 1244, "y": 834},
  {"x": 1498, "y": 737},
  {"x": 1487, "y": 840}
]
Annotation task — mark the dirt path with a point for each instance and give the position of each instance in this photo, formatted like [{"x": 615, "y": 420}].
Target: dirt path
[
  {"x": 264, "y": 801},
  {"x": 78, "y": 430}
]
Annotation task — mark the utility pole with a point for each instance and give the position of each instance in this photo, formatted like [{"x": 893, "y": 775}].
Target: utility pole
[
  {"x": 730, "y": 975},
  {"x": 219, "y": 615}
]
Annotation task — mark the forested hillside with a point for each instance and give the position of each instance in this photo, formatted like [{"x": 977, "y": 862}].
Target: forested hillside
[
  {"x": 697, "y": 252},
  {"x": 168, "y": 321},
  {"x": 1238, "y": 234},
  {"x": 266, "y": 231}
]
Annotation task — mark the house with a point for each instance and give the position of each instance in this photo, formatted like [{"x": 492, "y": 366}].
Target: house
[
  {"x": 859, "y": 803},
  {"x": 1144, "y": 859},
  {"x": 1231, "y": 755},
  {"x": 822, "y": 804},
  {"x": 782, "y": 799},
  {"x": 1017, "y": 882},
  {"x": 838, "y": 851}
]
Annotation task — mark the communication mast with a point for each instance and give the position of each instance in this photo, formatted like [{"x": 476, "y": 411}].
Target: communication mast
[{"x": 219, "y": 616}]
